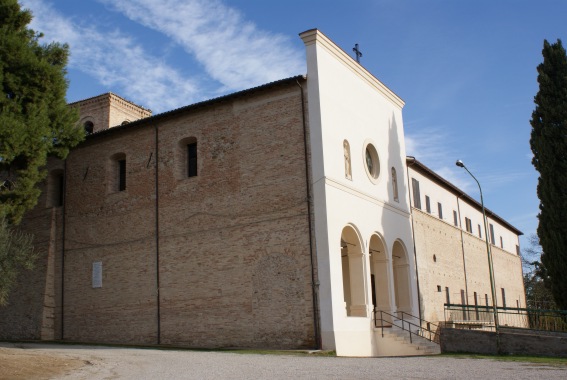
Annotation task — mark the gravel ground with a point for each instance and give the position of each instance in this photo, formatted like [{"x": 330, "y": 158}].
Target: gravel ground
[{"x": 131, "y": 363}]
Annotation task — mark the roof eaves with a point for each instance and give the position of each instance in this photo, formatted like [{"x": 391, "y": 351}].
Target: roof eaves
[
  {"x": 414, "y": 163},
  {"x": 195, "y": 106}
]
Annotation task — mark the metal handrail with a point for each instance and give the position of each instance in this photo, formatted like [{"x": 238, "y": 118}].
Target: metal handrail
[
  {"x": 481, "y": 317},
  {"x": 419, "y": 331}
]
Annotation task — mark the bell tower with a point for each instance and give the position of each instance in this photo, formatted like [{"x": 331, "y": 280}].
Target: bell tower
[{"x": 107, "y": 111}]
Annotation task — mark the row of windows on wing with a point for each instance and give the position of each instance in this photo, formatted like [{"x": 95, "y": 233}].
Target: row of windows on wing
[
  {"x": 468, "y": 222},
  {"x": 118, "y": 173},
  {"x": 372, "y": 166},
  {"x": 477, "y": 298}
]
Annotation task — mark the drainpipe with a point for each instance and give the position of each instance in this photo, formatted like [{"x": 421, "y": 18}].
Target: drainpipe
[
  {"x": 412, "y": 159},
  {"x": 63, "y": 249},
  {"x": 157, "y": 234},
  {"x": 314, "y": 280},
  {"x": 463, "y": 250}
]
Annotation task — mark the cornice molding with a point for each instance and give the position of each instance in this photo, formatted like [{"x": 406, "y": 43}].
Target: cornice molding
[{"x": 315, "y": 36}]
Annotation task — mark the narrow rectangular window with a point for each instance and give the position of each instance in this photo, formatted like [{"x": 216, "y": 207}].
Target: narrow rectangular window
[
  {"x": 479, "y": 232},
  {"x": 492, "y": 240},
  {"x": 97, "y": 274},
  {"x": 121, "y": 175},
  {"x": 59, "y": 190},
  {"x": 416, "y": 194},
  {"x": 447, "y": 296},
  {"x": 464, "y": 302},
  {"x": 517, "y": 250},
  {"x": 503, "y": 297},
  {"x": 455, "y": 218},
  {"x": 440, "y": 210},
  {"x": 192, "y": 160},
  {"x": 428, "y": 204},
  {"x": 476, "y": 307},
  {"x": 468, "y": 224},
  {"x": 486, "y": 299},
  {"x": 501, "y": 243}
]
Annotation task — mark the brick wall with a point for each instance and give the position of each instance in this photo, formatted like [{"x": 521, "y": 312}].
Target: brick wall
[
  {"x": 449, "y": 267},
  {"x": 231, "y": 244}
]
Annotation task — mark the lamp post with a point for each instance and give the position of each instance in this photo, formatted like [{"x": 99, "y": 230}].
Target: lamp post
[{"x": 460, "y": 164}]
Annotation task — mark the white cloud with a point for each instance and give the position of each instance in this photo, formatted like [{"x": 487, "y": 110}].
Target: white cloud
[
  {"x": 233, "y": 51},
  {"x": 116, "y": 61},
  {"x": 432, "y": 147}
]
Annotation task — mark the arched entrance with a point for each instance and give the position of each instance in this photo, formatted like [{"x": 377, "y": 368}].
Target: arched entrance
[
  {"x": 402, "y": 284},
  {"x": 380, "y": 281},
  {"x": 352, "y": 260}
]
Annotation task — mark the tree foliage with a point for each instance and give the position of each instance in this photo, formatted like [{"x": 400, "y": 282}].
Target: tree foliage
[
  {"x": 16, "y": 252},
  {"x": 34, "y": 118},
  {"x": 536, "y": 280},
  {"x": 549, "y": 146}
]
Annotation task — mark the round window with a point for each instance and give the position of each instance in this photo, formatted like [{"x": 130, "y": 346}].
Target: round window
[{"x": 372, "y": 161}]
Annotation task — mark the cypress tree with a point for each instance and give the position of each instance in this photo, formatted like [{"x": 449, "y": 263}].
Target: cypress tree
[
  {"x": 34, "y": 118},
  {"x": 549, "y": 146}
]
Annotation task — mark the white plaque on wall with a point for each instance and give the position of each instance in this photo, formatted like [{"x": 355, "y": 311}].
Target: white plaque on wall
[{"x": 97, "y": 274}]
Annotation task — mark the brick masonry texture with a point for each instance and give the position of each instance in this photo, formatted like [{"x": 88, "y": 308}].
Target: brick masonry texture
[
  {"x": 231, "y": 244},
  {"x": 447, "y": 243}
]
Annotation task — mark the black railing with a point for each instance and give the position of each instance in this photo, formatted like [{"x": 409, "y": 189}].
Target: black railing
[
  {"x": 482, "y": 317},
  {"x": 406, "y": 322}
]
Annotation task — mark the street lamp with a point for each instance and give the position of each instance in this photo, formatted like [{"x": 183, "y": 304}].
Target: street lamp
[{"x": 460, "y": 164}]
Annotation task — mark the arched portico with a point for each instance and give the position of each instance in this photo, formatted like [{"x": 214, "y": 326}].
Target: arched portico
[
  {"x": 379, "y": 274},
  {"x": 402, "y": 282},
  {"x": 352, "y": 260}
]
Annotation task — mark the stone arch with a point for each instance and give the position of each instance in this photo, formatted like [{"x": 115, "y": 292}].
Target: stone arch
[
  {"x": 402, "y": 282},
  {"x": 352, "y": 262},
  {"x": 379, "y": 273}
]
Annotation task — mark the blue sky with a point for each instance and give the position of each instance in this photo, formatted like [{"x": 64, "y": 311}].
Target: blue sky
[{"x": 466, "y": 69}]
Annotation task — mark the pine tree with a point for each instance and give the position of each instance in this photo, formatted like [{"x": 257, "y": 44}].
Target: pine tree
[
  {"x": 34, "y": 118},
  {"x": 549, "y": 146}
]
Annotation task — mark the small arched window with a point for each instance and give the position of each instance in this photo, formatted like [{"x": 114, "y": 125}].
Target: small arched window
[
  {"x": 395, "y": 185},
  {"x": 55, "y": 188},
  {"x": 186, "y": 157},
  {"x": 348, "y": 168},
  {"x": 89, "y": 127},
  {"x": 117, "y": 173}
]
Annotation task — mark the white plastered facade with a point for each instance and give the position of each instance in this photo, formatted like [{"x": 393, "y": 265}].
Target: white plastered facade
[{"x": 359, "y": 222}]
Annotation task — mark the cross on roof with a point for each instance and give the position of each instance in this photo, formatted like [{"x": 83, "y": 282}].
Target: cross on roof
[{"x": 357, "y": 53}]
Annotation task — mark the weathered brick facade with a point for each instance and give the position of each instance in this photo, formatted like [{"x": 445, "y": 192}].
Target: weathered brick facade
[
  {"x": 219, "y": 259},
  {"x": 277, "y": 217}
]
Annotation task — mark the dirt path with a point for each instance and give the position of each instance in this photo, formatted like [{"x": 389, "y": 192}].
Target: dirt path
[{"x": 19, "y": 364}]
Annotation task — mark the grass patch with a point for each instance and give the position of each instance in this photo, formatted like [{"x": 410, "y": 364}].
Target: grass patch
[{"x": 557, "y": 362}]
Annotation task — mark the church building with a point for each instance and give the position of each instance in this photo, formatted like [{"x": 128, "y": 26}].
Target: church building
[{"x": 285, "y": 216}]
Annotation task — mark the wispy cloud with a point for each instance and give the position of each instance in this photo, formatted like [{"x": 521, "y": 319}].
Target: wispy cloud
[
  {"x": 115, "y": 60},
  {"x": 432, "y": 146},
  {"x": 232, "y": 50},
  {"x": 234, "y": 54}
]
